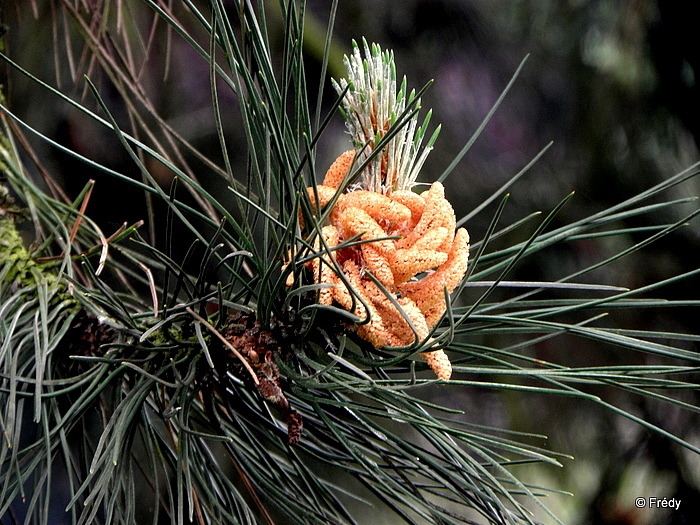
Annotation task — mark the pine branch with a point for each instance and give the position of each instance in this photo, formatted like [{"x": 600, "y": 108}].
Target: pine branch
[{"x": 262, "y": 354}]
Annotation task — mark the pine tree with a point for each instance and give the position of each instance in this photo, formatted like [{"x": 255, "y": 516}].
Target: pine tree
[{"x": 278, "y": 368}]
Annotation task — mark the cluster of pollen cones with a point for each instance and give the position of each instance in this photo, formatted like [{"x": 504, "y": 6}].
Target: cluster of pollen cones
[{"x": 405, "y": 253}]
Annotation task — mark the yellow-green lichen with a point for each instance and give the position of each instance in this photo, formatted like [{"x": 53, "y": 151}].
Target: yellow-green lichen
[{"x": 16, "y": 261}]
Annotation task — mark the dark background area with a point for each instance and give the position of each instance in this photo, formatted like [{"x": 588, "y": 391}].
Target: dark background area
[{"x": 612, "y": 83}]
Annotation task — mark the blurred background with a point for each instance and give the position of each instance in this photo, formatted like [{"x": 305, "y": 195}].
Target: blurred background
[{"x": 611, "y": 83}]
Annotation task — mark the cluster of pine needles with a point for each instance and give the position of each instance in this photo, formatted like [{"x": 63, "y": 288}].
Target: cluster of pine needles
[{"x": 145, "y": 383}]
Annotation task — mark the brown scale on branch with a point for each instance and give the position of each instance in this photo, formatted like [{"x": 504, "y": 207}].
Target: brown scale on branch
[
  {"x": 409, "y": 243},
  {"x": 87, "y": 334},
  {"x": 260, "y": 347}
]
